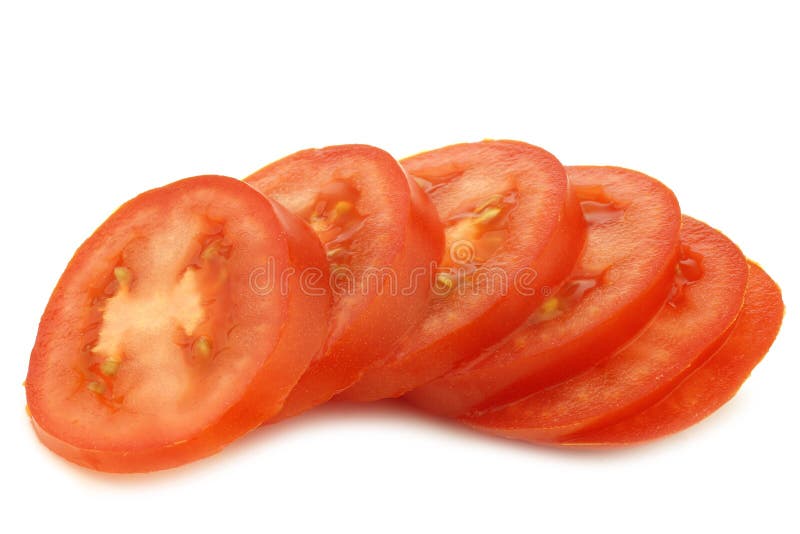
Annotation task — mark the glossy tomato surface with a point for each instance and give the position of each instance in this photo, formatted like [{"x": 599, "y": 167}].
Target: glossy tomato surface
[
  {"x": 620, "y": 280},
  {"x": 382, "y": 237},
  {"x": 712, "y": 384},
  {"x": 689, "y": 328},
  {"x": 512, "y": 228},
  {"x": 160, "y": 344}
]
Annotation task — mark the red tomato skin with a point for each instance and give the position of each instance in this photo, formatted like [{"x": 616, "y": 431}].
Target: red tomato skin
[
  {"x": 533, "y": 357},
  {"x": 712, "y": 384},
  {"x": 304, "y": 317},
  {"x": 636, "y": 376},
  {"x": 377, "y": 320},
  {"x": 418, "y": 359}
]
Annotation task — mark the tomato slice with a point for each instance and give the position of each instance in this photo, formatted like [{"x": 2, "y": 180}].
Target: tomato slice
[
  {"x": 382, "y": 237},
  {"x": 511, "y": 221},
  {"x": 709, "y": 291},
  {"x": 620, "y": 280},
  {"x": 163, "y": 340},
  {"x": 712, "y": 384}
]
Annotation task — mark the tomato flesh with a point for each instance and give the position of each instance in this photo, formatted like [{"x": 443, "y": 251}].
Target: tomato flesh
[
  {"x": 712, "y": 384},
  {"x": 155, "y": 348},
  {"x": 509, "y": 213},
  {"x": 683, "y": 333},
  {"x": 613, "y": 290},
  {"x": 382, "y": 236}
]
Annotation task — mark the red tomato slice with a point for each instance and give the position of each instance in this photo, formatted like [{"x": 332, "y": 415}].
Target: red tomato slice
[
  {"x": 510, "y": 221},
  {"x": 160, "y": 344},
  {"x": 620, "y": 280},
  {"x": 382, "y": 237},
  {"x": 712, "y": 384},
  {"x": 710, "y": 288}
]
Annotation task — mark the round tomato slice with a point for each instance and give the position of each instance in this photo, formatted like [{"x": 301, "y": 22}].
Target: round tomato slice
[
  {"x": 512, "y": 227},
  {"x": 614, "y": 289},
  {"x": 709, "y": 291},
  {"x": 164, "y": 340},
  {"x": 712, "y": 384},
  {"x": 382, "y": 237}
]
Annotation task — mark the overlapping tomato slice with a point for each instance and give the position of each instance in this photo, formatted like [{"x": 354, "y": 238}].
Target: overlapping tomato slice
[
  {"x": 382, "y": 237},
  {"x": 708, "y": 295},
  {"x": 484, "y": 281},
  {"x": 163, "y": 340},
  {"x": 714, "y": 382},
  {"x": 512, "y": 227},
  {"x": 611, "y": 293}
]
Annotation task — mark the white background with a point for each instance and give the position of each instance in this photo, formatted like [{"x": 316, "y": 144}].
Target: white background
[{"x": 100, "y": 103}]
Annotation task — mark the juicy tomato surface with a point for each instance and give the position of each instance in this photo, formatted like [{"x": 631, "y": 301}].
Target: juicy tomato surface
[
  {"x": 613, "y": 290},
  {"x": 157, "y": 346},
  {"x": 382, "y": 237},
  {"x": 712, "y": 384},
  {"x": 512, "y": 227},
  {"x": 708, "y": 295}
]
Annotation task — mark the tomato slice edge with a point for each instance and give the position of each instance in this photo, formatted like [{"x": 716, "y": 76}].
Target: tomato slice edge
[
  {"x": 645, "y": 369},
  {"x": 712, "y": 384},
  {"x": 243, "y": 411}
]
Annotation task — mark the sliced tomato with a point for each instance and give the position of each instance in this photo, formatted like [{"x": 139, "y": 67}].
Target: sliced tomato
[
  {"x": 163, "y": 340},
  {"x": 689, "y": 328},
  {"x": 512, "y": 227},
  {"x": 712, "y": 384},
  {"x": 382, "y": 237},
  {"x": 621, "y": 279}
]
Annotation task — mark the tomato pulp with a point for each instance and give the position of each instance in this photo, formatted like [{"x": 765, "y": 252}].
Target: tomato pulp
[
  {"x": 382, "y": 237},
  {"x": 614, "y": 289},
  {"x": 512, "y": 227},
  {"x": 158, "y": 346}
]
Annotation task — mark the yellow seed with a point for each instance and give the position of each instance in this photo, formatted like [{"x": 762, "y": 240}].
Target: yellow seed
[
  {"x": 494, "y": 199},
  {"x": 342, "y": 208},
  {"x": 319, "y": 224},
  {"x": 109, "y": 367},
  {"x": 123, "y": 275},
  {"x": 487, "y": 215},
  {"x": 210, "y": 251},
  {"x": 96, "y": 387},
  {"x": 444, "y": 281},
  {"x": 550, "y": 305},
  {"x": 202, "y": 347},
  {"x": 332, "y": 253}
]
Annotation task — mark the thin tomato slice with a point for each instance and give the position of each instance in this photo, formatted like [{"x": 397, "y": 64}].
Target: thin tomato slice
[
  {"x": 689, "y": 328},
  {"x": 621, "y": 279},
  {"x": 382, "y": 237},
  {"x": 512, "y": 227},
  {"x": 162, "y": 341},
  {"x": 712, "y": 384}
]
